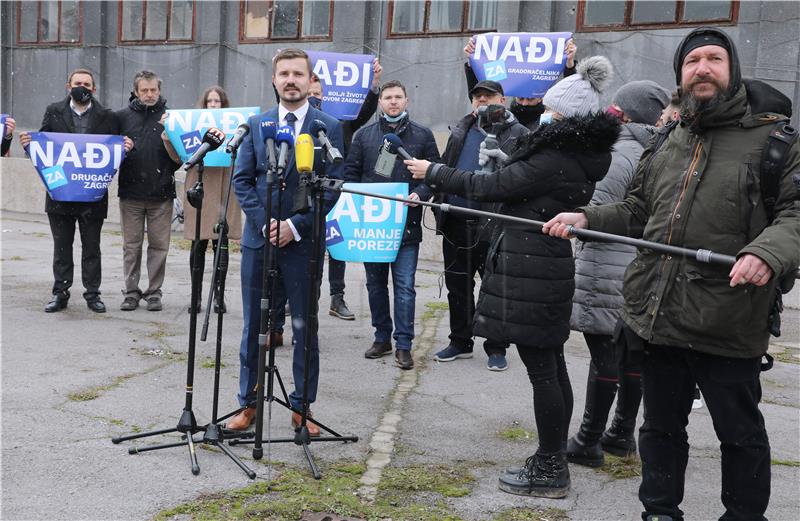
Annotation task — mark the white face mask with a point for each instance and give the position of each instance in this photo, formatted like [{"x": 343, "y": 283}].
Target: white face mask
[{"x": 546, "y": 118}]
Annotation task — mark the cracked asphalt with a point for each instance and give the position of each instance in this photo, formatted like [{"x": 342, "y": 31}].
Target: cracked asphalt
[{"x": 73, "y": 380}]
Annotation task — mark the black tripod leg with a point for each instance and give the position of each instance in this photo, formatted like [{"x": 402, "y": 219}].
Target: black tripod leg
[
  {"x": 120, "y": 439},
  {"x": 192, "y": 455},
  {"x": 250, "y": 474},
  {"x": 137, "y": 450},
  {"x": 311, "y": 463}
]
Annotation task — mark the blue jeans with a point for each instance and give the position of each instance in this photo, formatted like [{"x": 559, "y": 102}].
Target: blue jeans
[{"x": 404, "y": 269}]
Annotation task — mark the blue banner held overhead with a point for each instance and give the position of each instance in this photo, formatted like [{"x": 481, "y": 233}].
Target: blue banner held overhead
[
  {"x": 525, "y": 64},
  {"x": 367, "y": 229},
  {"x": 185, "y": 130},
  {"x": 346, "y": 80},
  {"x": 76, "y": 167}
]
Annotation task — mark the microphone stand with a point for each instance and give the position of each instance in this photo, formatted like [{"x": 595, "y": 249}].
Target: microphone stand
[
  {"x": 187, "y": 423},
  {"x": 301, "y": 437}
]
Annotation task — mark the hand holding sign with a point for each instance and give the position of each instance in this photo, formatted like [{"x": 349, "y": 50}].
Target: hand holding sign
[{"x": 9, "y": 125}]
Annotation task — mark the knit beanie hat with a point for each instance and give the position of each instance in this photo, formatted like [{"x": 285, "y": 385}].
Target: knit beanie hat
[
  {"x": 642, "y": 101},
  {"x": 579, "y": 94}
]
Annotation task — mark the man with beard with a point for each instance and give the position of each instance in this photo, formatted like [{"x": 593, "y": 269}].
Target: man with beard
[
  {"x": 79, "y": 113},
  {"x": 146, "y": 191},
  {"x": 290, "y": 232},
  {"x": 695, "y": 322}
]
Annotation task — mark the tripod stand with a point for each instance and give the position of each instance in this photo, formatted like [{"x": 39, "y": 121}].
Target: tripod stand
[
  {"x": 302, "y": 436},
  {"x": 187, "y": 424}
]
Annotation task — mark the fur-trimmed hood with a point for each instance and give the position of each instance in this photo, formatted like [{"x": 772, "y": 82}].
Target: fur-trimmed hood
[{"x": 592, "y": 134}]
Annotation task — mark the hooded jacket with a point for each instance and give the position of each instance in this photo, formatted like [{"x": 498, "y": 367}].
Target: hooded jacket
[
  {"x": 701, "y": 190},
  {"x": 526, "y": 293},
  {"x": 359, "y": 167},
  {"x": 600, "y": 266},
  {"x": 148, "y": 172}
]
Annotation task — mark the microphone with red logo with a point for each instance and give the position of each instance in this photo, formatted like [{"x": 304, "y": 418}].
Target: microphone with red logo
[{"x": 212, "y": 139}]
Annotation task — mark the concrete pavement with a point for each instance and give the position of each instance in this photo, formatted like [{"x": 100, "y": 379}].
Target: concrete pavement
[{"x": 73, "y": 380}]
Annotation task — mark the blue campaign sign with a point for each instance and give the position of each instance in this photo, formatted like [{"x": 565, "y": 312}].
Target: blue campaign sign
[
  {"x": 346, "y": 80},
  {"x": 76, "y": 167},
  {"x": 3, "y": 118},
  {"x": 367, "y": 229},
  {"x": 185, "y": 129},
  {"x": 525, "y": 64}
]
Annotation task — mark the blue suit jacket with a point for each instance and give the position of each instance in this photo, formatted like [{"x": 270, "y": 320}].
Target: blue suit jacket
[{"x": 250, "y": 180}]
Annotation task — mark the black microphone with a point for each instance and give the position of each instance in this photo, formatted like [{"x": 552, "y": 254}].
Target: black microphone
[
  {"x": 211, "y": 141},
  {"x": 285, "y": 139},
  {"x": 396, "y": 145},
  {"x": 319, "y": 129},
  {"x": 269, "y": 131},
  {"x": 238, "y": 137}
]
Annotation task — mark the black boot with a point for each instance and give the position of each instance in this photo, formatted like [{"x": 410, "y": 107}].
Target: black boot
[
  {"x": 339, "y": 308},
  {"x": 58, "y": 302},
  {"x": 584, "y": 448},
  {"x": 620, "y": 438},
  {"x": 544, "y": 475}
]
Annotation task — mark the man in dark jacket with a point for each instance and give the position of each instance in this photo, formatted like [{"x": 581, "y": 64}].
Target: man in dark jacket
[
  {"x": 360, "y": 168},
  {"x": 697, "y": 322},
  {"x": 146, "y": 191},
  {"x": 79, "y": 113},
  {"x": 465, "y": 240}
]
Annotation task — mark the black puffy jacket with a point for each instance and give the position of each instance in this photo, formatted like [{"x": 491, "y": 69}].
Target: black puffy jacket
[
  {"x": 148, "y": 173},
  {"x": 526, "y": 293}
]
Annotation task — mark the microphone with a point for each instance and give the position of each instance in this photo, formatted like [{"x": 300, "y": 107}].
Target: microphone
[
  {"x": 384, "y": 166},
  {"x": 319, "y": 128},
  {"x": 304, "y": 153},
  {"x": 238, "y": 137},
  {"x": 396, "y": 145},
  {"x": 211, "y": 141},
  {"x": 285, "y": 138},
  {"x": 269, "y": 131},
  {"x": 304, "y": 161}
]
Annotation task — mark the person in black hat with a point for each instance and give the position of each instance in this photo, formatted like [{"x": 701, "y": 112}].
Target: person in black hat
[
  {"x": 465, "y": 240},
  {"x": 697, "y": 323}
]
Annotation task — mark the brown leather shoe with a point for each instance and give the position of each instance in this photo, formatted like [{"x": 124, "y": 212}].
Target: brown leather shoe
[
  {"x": 278, "y": 340},
  {"x": 242, "y": 420},
  {"x": 313, "y": 428}
]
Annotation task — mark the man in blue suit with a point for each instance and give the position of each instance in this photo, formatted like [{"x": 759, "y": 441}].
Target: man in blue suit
[{"x": 291, "y": 77}]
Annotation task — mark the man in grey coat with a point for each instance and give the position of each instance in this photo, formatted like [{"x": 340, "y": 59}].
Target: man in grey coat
[{"x": 599, "y": 269}]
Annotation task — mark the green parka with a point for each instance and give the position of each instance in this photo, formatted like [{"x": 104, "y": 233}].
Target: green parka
[{"x": 701, "y": 190}]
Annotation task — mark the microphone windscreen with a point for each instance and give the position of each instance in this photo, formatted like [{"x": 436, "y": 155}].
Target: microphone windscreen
[
  {"x": 318, "y": 125},
  {"x": 304, "y": 153},
  {"x": 285, "y": 135},
  {"x": 269, "y": 129},
  {"x": 213, "y": 138},
  {"x": 394, "y": 142}
]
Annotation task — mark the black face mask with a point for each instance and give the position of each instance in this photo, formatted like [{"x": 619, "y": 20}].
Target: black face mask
[
  {"x": 527, "y": 113},
  {"x": 80, "y": 95}
]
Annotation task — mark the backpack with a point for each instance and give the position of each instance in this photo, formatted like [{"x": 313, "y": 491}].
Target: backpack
[{"x": 773, "y": 158}]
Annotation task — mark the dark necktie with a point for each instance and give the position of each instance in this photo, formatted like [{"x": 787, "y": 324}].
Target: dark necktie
[{"x": 290, "y": 119}]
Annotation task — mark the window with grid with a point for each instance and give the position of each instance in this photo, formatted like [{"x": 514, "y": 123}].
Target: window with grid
[
  {"x": 148, "y": 21},
  {"x": 49, "y": 22},
  {"x": 441, "y": 17},
  {"x": 270, "y": 20},
  {"x": 616, "y": 15}
]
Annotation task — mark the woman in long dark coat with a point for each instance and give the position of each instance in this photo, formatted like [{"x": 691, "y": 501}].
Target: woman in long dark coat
[{"x": 526, "y": 294}]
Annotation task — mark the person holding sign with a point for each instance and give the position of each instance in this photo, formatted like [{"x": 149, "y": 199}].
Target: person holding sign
[
  {"x": 526, "y": 295},
  {"x": 146, "y": 191},
  {"x": 8, "y": 124},
  {"x": 215, "y": 186},
  {"x": 369, "y": 162},
  {"x": 291, "y": 77},
  {"x": 79, "y": 113}
]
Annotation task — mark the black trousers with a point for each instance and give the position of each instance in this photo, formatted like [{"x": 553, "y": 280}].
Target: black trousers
[
  {"x": 552, "y": 394},
  {"x": 464, "y": 256},
  {"x": 732, "y": 391},
  {"x": 63, "y": 229},
  {"x": 336, "y": 269}
]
